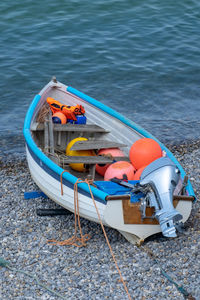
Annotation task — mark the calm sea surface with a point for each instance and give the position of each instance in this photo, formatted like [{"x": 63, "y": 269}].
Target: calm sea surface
[{"x": 142, "y": 58}]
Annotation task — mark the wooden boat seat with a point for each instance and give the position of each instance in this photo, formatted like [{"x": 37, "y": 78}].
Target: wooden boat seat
[
  {"x": 96, "y": 145},
  {"x": 91, "y": 161},
  {"x": 71, "y": 128}
]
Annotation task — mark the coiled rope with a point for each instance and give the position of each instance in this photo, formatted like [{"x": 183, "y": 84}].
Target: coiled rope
[
  {"x": 74, "y": 240},
  {"x": 80, "y": 242}
]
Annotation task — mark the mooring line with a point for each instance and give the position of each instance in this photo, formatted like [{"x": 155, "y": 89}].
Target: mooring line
[{"x": 180, "y": 288}]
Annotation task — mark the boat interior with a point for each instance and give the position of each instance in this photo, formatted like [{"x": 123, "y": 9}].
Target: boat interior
[
  {"x": 102, "y": 130},
  {"x": 53, "y": 139}
]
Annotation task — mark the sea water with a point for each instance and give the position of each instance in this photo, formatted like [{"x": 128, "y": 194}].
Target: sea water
[{"x": 141, "y": 58}]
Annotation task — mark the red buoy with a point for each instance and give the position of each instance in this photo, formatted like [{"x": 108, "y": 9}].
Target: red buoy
[
  {"x": 138, "y": 173},
  {"x": 121, "y": 170},
  {"x": 101, "y": 168},
  {"x": 143, "y": 152}
]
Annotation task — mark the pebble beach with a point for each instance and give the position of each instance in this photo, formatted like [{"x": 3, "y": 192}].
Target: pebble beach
[
  {"x": 89, "y": 272},
  {"x": 140, "y": 58}
]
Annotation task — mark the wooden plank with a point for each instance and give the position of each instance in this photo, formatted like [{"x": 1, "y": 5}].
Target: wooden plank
[
  {"x": 183, "y": 197},
  {"x": 96, "y": 144},
  {"x": 118, "y": 197},
  {"x": 51, "y": 137},
  {"x": 71, "y": 127},
  {"x": 92, "y": 171},
  {"x": 175, "y": 198},
  {"x": 121, "y": 158},
  {"x": 46, "y": 136},
  {"x": 59, "y": 139},
  {"x": 80, "y": 128},
  {"x": 132, "y": 213},
  {"x": 85, "y": 160}
]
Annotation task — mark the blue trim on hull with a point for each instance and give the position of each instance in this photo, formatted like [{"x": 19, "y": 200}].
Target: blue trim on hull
[
  {"x": 68, "y": 179},
  {"x": 56, "y": 176},
  {"x": 133, "y": 125},
  {"x": 48, "y": 165}
]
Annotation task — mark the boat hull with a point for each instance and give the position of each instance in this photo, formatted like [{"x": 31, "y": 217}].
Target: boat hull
[
  {"x": 52, "y": 188},
  {"x": 46, "y": 173}
]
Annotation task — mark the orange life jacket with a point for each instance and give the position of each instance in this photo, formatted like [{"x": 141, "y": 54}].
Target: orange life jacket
[{"x": 69, "y": 111}]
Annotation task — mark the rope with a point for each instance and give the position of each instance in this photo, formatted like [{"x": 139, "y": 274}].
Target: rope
[
  {"x": 106, "y": 237},
  {"x": 42, "y": 113},
  {"x": 74, "y": 240},
  {"x": 180, "y": 288},
  {"x": 81, "y": 241},
  {"x": 4, "y": 263}
]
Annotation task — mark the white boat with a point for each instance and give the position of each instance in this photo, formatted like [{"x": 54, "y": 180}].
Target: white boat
[{"x": 45, "y": 146}]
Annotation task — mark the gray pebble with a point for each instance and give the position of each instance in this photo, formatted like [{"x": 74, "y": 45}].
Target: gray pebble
[{"x": 89, "y": 272}]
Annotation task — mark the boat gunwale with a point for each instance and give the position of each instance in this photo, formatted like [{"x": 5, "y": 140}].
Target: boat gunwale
[
  {"x": 69, "y": 177},
  {"x": 99, "y": 195},
  {"x": 134, "y": 126}
]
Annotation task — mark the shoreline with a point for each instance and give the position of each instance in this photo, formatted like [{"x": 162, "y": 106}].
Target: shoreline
[{"x": 181, "y": 146}]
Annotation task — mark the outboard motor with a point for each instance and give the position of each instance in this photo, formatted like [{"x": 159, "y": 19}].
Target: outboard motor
[{"x": 159, "y": 179}]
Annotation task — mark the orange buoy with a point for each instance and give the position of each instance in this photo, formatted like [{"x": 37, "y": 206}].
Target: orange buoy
[
  {"x": 143, "y": 152},
  {"x": 80, "y": 167},
  {"x": 121, "y": 170},
  {"x": 101, "y": 168},
  {"x": 59, "y": 118},
  {"x": 138, "y": 173}
]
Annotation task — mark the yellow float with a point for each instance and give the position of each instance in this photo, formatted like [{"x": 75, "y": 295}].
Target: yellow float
[{"x": 80, "y": 167}]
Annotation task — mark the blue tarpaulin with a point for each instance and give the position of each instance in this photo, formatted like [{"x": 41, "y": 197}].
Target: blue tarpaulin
[{"x": 113, "y": 188}]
